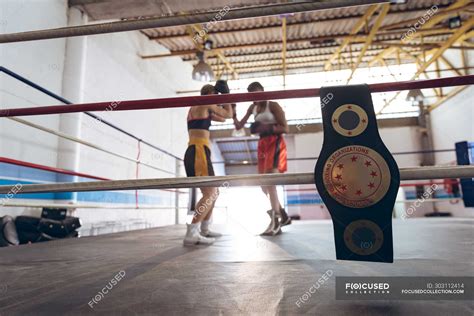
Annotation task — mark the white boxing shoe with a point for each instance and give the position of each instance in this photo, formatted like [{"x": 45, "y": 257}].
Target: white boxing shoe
[
  {"x": 209, "y": 233},
  {"x": 274, "y": 228},
  {"x": 193, "y": 237},
  {"x": 206, "y": 232}
]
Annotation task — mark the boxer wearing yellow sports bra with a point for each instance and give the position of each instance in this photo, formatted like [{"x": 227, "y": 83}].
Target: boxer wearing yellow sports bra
[{"x": 197, "y": 162}]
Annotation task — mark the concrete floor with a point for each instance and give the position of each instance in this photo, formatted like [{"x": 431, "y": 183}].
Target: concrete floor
[{"x": 239, "y": 274}]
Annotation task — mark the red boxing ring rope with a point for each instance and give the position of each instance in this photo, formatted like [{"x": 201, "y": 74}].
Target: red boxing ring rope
[
  {"x": 230, "y": 98},
  {"x": 64, "y": 171},
  {"x": 46, "y": 168}
]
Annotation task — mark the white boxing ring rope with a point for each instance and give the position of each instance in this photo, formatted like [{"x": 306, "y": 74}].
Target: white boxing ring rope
[
  {"x": 89, "y": 206},
  {"x": 418, "y": 173},
  {"x": 86, "y": 143}
]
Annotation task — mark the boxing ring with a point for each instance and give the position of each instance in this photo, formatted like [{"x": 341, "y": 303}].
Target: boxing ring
[
  {"x": 421, "y": 173},
  {"x": 241, "y": 273}
]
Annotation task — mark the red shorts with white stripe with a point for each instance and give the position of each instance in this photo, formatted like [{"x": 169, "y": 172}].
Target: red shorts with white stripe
[{"x": 271, "y": 154}]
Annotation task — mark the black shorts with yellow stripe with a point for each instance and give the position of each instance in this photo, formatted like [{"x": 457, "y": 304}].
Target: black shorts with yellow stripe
[{"x": 197, "y": 159}]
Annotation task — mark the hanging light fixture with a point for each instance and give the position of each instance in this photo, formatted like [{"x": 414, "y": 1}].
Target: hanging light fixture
[
  {"x": 202, "y": 71},
  {"x": 415, "y": 96},
  {"x": 455, "y": 22}
]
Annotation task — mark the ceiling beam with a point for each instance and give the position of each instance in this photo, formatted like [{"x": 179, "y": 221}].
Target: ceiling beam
[
  {"x": 227, "y": 63},
  {"x": 464, "y": 61},
  {"x": 467, "y": 25},
  {"x": 446, "y": 97},
  {"x": 183, "y": 19},
  {"x": 293, "y": 70},
  {"x": 291, "y": 54},
  {"x": 378, "y": 22},
  {"x": 457, "y": 36},
  {"x": 450, "y": 66},
  {"x": 380, "y": 57},
  {"x": 392, "y": 44},
  {"x": 277, "y": 66},
  {"x": 355, "y": 40},
  {"x": 291, "y": 24},
  {"x": 355, "y": 29},
  {"x": 467, "y": 44},
  {"x": 438, "y": 17},
  {"x": 312, "y": 68},
  {"x": 277, "y": 60},
  {"x": 439, "y": 92},
  {"x": 454, "y": 9}
]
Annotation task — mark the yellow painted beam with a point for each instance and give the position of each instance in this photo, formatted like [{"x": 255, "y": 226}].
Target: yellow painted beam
[
  {"x": 445, "y": 98},
  {"x": 378, "y": 22},
  {"x": 436, "y": 53},
  {"x": 467, "y": 36},
  {"x": 450, "y": 66},
  {"x": 388, "y": 69},
  {"x": 356, "y": 28},
  {"x": 386, "y": 52},
  {"x": 435, "y": 19},
  {"x": 452, "y": 39},
  {"x": 452, "y": 10},
  {"x": 440, "y": 16},
  {"x": 439, "y": 92},
  {"x": 464, "y": 62},
  {"x": 467, "y": 44},
  {"x": 226, "y": 62}
]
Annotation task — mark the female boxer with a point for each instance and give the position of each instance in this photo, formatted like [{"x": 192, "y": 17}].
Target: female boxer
[
  {"x": 197, "y": 162},
  {"x": 270, "y": 124}
]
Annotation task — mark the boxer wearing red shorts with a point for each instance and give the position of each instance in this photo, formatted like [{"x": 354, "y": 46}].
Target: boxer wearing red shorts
[{"x": 270, "y": 123}]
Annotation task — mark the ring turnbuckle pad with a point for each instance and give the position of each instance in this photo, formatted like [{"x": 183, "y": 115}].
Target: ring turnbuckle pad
[{"x": 356, "y": 176}]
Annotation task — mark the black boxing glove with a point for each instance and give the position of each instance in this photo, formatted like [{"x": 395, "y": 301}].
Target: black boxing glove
[
  {"x": 259, "y": 128},
  {"x": 222, "y": 87},
  {"x": 254, "y": 126}
]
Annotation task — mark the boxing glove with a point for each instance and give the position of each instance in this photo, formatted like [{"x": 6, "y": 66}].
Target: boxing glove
[
  {"x": 222, "y": 87},
  {"x": 262, "y": 129}
]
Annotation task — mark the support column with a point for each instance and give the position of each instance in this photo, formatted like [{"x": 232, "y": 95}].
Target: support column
[
  {"x": 72, "y": 89},
  {"x": 176, "y": 195},
  {"x": 427, "y": 159}
]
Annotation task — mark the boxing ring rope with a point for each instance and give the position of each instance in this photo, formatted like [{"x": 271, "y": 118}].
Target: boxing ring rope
[
  {"x": 450, "y": 200},
  {"x": 64, "y": 171},
  {"x": 449, "y": 182},
  {"x": 50, "y": 169},
  {"x": 240, "y": 163},
  {"x": 230, "y": 98},
  {"x": 418, "y": 173},
  {"x": 85, "y": 143},
  {"x": 188, "y": 19},
  {"x": 94, "y": 116},
  {"x": 91, "y": 206}
]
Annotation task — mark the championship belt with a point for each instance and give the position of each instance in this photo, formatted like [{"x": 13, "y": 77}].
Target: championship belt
[{"x": 356, "y": 176}]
